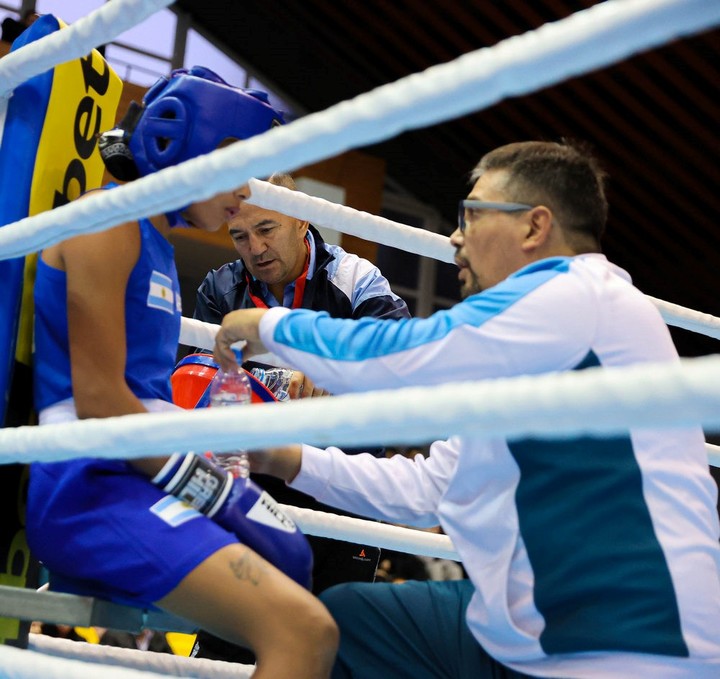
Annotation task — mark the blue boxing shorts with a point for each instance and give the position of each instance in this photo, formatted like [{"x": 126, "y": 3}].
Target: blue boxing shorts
[{"x": 105, "y": 530}]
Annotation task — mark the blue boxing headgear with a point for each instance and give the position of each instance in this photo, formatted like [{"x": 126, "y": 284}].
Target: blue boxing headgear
[{"x": 182, "y": 116}]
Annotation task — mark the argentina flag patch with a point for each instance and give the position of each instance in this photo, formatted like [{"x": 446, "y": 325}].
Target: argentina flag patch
[
  {"x": 174, "y": 512},
  {"x": 161, "y": 295}
]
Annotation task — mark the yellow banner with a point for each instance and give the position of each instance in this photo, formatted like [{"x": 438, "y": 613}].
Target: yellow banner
[{"x": 83, "y": 102}]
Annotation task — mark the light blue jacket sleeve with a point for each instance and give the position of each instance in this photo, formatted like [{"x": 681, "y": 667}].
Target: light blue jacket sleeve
[{"x": 532, "y": 322}]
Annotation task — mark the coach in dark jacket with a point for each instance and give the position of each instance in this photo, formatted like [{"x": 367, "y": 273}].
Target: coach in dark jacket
[{"x": 285, "y": 262}]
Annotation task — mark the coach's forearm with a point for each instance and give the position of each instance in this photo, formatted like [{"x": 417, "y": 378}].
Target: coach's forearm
[{"x": 283, "y": 463}]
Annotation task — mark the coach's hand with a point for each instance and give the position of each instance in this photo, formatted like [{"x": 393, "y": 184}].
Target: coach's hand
[{"x": 243, "y": 324}]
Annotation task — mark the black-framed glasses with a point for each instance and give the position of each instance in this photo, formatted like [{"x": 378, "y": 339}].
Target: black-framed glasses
[{"x": 465, "y": 205}]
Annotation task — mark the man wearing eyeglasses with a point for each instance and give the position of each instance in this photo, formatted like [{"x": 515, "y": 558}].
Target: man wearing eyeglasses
[{"x": 588, "y": 557}]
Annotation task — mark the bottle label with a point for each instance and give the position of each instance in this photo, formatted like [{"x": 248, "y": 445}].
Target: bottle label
[{"x": 228, "y": 398}]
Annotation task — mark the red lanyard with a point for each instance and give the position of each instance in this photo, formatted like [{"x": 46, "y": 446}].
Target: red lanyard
[{"x": 299, "y": 286}]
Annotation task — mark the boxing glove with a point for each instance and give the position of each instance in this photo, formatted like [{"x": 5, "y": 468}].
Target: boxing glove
[{"x": 240, "y": 506}]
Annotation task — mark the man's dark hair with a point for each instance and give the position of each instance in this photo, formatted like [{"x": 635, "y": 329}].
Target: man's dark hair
[
  {"x": 564, "y": 176},
  {"x": 283, "y": 179}
]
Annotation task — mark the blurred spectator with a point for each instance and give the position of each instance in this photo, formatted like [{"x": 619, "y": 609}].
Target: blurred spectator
[
  {"x": 443, "y": 569},
  {"x": 147, "y": 640},
  {"x": 57, "y": 631},
  {"x": 407, "y": 451},
  {"x": 399, "y": 567}
]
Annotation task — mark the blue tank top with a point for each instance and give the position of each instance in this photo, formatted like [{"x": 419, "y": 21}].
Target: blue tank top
[{"x": 152, "y": 324}]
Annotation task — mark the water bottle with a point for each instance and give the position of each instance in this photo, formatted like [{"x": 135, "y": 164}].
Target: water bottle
[
  {"x": 232, "y": 388},
  {"x": 277, "y": 380}
]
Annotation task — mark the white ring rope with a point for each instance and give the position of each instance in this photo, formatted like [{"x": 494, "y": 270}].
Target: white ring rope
[
  {"x": 713, "y": 452},
  {"x": 330, "y": 215},
  {"x": 590, "y": 39},
  {"x": 397, "y": 538},
  {"x": 694, "y": 321},
  {"x": 97, "y": 28},
  {"x": 345, "y": 219},
  {"x": 164, "y": 664},
  {"x": 78, "y": 660},
  {"x": 597, "y": 401}
]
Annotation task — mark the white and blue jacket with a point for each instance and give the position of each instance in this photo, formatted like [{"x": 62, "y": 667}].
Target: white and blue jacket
[{"x": 590, "y": 557}]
